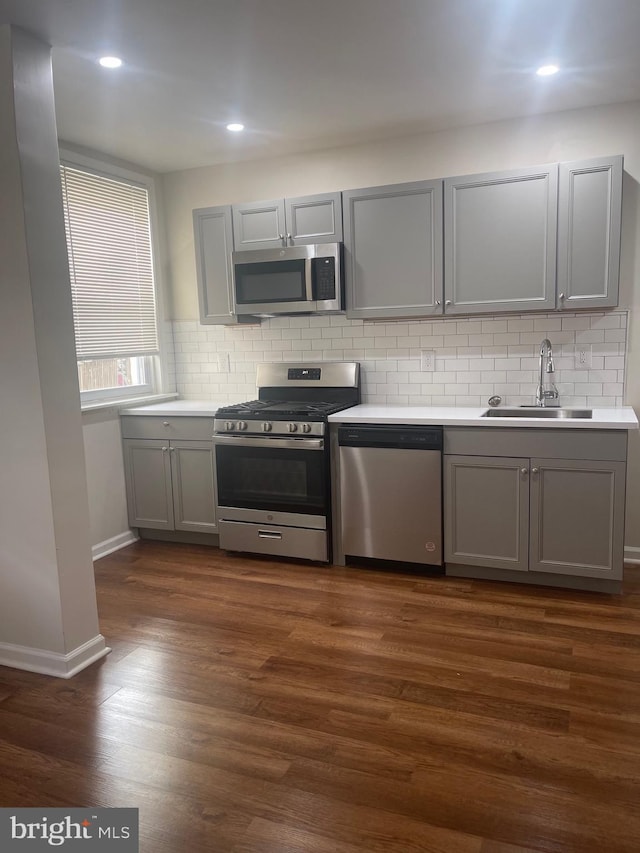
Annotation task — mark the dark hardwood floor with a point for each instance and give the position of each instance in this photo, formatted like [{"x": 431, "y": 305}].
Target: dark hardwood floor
[{"x": 254, "y": 706}]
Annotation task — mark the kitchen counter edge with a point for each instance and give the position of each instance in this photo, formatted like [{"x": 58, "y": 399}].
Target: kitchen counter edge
[
  {"x": 623, "y": 417},
  {"x": 177, "y": 408}
]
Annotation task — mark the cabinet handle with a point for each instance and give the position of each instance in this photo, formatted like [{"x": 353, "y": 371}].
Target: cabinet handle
[
  {"x": 535, "y": 470},
  {"x": 561, "y": 296},
  {"x": 289, "y": 237},
  {"x": 281, "y": 236},
  {"x": 438, "y": 302},
  {"x": 524, "y": 471}
]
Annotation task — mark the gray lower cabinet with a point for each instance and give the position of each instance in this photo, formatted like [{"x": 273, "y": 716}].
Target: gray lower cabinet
[
  {"x": 577, "y": 517},
  {"x": 169, "y": 480},
  {"x": 487, "y": 512},
  {"x": 213, "y": 236},
  {"x": 500, "y": 241},
  {"x": 544, "y": 515},
  {"x": 393, "y": 250},
  {"x": 589, "y": 228},
  {"x": 288, "y": 222}
]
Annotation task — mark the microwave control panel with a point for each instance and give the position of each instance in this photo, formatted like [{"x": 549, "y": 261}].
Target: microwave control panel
[{"x": 324, "y": 278}]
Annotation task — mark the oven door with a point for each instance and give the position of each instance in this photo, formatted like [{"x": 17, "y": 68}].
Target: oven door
[{"x": 279, "y": 480}]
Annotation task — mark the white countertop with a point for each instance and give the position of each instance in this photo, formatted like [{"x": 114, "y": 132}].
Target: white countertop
[
  {"x": 178, "y": 408},
  {"x": 370, "y": 413}
]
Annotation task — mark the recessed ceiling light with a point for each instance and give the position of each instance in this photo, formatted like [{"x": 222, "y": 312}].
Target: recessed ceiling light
[
  {"x": 110, "y": 61},
  {"x": 236, "y": 127},
  {"x": 547, "y": 70}
]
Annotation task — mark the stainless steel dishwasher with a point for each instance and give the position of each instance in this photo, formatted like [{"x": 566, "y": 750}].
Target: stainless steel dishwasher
[{"x": 390, "y": 492}]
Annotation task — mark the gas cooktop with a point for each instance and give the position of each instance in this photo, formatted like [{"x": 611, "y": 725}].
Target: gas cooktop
[
  {"x": 275, "y": 409},
  {"x": 293, "y": 398}
]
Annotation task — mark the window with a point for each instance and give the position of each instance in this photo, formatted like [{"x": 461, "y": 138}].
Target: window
[{"x": 108, "y": 229}]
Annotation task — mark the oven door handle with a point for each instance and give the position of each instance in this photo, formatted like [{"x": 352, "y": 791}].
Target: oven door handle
[{"x": 287, "y": 443}]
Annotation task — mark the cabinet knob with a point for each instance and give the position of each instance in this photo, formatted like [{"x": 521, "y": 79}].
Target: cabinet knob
[
  {"x": 289, "y": 237},
  {"x": 165, "y": 423},
  {"x": 535, "y": 470},
  {"x": 447, "y": 303},
  {"x": 438, "y": 302},
  {"x": 561, "y": 296},
  {"x": 524, "y": 471},
  {"x": 164, "y": 448},
  {"x": 281, "y": 236}
]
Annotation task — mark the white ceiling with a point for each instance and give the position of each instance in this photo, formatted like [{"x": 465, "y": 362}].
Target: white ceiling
[{"x": 306, "y": 74}]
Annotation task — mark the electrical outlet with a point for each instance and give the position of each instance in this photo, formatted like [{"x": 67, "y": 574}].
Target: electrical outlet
[
  {"x": 427, "y": 360},
  {"x": 223, "y": 362},
  {"x": 583, "y": 356}
]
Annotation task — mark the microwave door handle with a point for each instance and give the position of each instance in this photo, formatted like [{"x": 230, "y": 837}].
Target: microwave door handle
[{"x": 308, "y": 273}]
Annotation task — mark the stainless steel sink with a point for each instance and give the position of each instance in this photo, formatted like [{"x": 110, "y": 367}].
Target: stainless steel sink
[{"x": 538, "y": 413}]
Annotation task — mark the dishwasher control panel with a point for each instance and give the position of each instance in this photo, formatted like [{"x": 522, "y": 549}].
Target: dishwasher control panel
[{"x": 409, "y": 437}]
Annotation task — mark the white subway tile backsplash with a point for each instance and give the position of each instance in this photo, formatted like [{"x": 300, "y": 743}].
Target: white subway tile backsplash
[{"x": 474, "y": 358}]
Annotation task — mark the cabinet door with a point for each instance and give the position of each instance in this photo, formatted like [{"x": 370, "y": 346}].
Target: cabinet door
[
  {"x": 147, "y": 469},
  {"x": 192, "y": 473},
  {"x": 393, "y": 250},
  {"x": 500, "y": 241},
  {"x": 213, "y": 236},
  {"x": 259, "y": 225},
  {"x": 577, "y": 517},
  {"x": 486, "y": 511},
  {"x": 589, "y": 216},
  {"x": 314, "y": 219}
]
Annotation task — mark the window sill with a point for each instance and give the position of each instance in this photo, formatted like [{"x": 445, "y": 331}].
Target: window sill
[{"x": 125, "y": 402}]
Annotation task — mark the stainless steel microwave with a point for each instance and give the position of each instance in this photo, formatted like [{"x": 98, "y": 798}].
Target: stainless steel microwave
[{"x": 292, "y": 280}]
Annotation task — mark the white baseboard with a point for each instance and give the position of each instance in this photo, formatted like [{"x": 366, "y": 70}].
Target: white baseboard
[
  {"x": 632, "y": 555},
  {"x": 113, "y": 544},
  {"x": 53, "y": 663}
]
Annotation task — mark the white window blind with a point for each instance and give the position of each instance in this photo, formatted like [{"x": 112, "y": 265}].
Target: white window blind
[{"x": 109, "y": 243}]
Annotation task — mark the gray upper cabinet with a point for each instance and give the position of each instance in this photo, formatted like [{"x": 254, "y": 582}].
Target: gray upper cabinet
[
  {"x": 288, "y": 222},
  {"x": 500, "y": 241},
  {"x": 589, "y": 219},
  {"x": 213, "y": 235},
  {"x": 314, "y": 219},
  {"x": 393, "y": 250}
]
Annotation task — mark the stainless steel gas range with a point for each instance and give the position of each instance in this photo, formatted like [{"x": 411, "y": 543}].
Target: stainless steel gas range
[{"x": 272, "y": 460}]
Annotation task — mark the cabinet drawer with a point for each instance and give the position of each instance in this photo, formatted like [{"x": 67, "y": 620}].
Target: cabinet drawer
[
  {"x": 270, "y": 539},
  {"x": 147, "y": 426}
]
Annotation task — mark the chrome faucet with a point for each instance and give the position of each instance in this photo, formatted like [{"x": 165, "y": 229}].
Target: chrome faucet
[{"x": 548, "y": 396}]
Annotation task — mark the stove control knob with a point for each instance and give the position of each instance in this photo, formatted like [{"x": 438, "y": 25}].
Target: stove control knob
[
  {"x": 242, "y": 425},
  {"x": 292, "y": 427},
  {"x": 267, "y": 427},
  {"x": 229, "y": 425},
  {"x": 306, "y": 427}
]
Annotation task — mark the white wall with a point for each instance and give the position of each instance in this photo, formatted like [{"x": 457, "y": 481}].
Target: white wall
[
  {"x": 48, "y": 613},
  {"x": 105, "y": 481},
  {"x": 500, "y": 145}
]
